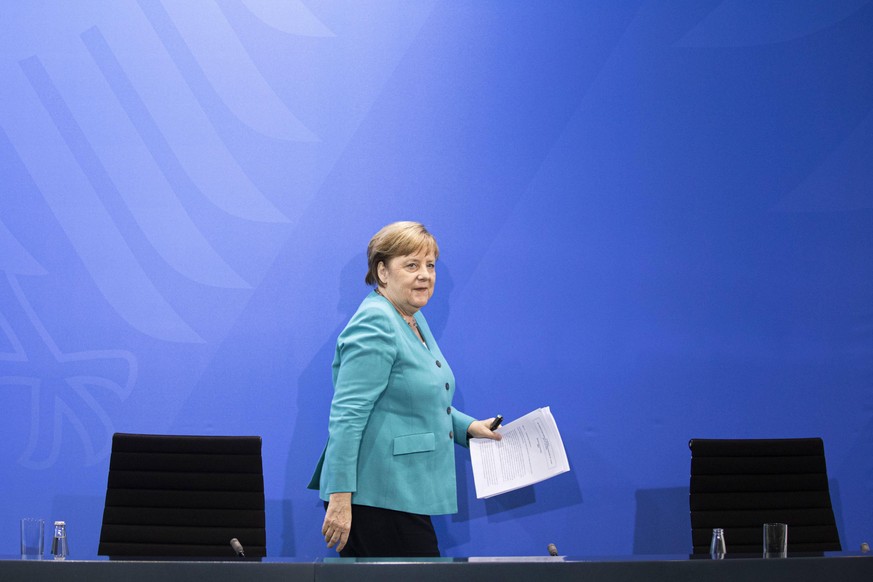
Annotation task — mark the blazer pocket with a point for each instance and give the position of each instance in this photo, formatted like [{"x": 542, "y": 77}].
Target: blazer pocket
[{"x": 414, "y": 443}]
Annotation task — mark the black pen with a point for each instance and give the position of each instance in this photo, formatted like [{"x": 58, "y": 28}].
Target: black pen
[{"x": 497, "y": 420}]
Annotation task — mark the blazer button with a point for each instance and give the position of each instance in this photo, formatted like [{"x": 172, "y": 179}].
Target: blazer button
[
  {"x": 447, "y": 385},
  {"x": 451, "y": 435},
  {"x": 439, "y": 364},
  {"x": 449, "y": 410}
]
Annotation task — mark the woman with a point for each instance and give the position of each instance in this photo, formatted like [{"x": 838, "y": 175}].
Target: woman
[{"x": 389, "y": 460}]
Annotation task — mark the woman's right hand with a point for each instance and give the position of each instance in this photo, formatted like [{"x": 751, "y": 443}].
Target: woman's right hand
[{"x": 337, "y": 520}]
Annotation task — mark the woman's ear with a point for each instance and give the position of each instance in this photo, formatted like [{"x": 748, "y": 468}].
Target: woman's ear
[{"x": 382, "y": 273}]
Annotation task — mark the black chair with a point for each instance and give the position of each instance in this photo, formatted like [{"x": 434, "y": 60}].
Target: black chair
[
  {"x": 171, "y": 496},
  {"x": 740, "y": 484}
]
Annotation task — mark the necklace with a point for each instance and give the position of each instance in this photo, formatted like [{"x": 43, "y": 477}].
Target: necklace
[{"x": 409, "y": 319}]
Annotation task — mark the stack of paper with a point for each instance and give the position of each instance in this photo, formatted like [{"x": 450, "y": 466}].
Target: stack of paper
[{"x": 531, "y": 451}]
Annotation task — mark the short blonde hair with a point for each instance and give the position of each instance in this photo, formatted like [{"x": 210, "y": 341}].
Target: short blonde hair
[{"x": 395, "y": 240}]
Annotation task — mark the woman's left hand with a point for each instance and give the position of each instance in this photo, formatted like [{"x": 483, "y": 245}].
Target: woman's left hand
[{"x": 479, "y": 429}]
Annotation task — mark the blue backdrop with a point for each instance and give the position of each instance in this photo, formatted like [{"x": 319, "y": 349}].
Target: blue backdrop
[{"x": 654, "y": 217}]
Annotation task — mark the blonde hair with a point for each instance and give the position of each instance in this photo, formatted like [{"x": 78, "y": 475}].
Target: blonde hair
[{"x": 395, "y": 240}]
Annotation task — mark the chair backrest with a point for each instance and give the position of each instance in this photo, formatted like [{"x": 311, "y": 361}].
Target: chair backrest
[
  {"x": 740, "y": 484},
  {"x": 183, "y": 496}
]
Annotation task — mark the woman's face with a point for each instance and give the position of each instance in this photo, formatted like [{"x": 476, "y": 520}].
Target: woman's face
[{"x": 409, "y": 280}]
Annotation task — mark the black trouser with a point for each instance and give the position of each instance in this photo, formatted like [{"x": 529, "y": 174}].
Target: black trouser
[{"x": 386, "y": 533}]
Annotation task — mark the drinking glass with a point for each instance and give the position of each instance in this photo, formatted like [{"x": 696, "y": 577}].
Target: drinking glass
[
  {"x": 32, "y": 538},
  {"x": 775, "y": 540}
]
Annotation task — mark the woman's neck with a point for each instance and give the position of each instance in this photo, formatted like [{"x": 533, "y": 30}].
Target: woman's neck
[{"x": 409, "y": 318}]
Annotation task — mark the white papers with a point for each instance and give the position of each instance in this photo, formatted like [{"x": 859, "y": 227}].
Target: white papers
[{"x": 531, "y": 451}]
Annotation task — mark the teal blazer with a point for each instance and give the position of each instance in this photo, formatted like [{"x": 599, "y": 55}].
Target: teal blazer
[{"x": 392, "y": 426}]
